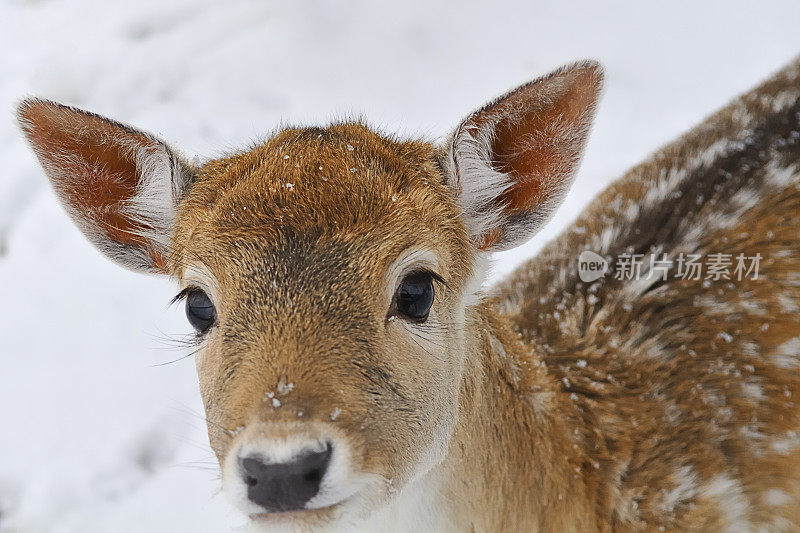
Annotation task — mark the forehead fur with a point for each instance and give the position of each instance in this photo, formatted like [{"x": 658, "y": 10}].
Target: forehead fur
[{"x": 344, "y": 185}]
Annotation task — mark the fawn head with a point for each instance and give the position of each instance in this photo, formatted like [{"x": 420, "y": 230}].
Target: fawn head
[{"x": 328, "y": 273}]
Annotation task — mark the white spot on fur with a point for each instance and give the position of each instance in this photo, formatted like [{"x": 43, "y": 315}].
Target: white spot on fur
[
  {"x": 787, "y": 444},
  {"x": 752, "y": 390},
  {"x": 715, "y": 306},
  {"x": 749, "y": 348},
  {"x": 752, "y": 305},
  {"x": 603, "y": 242},
  {"x": 787, "y": 303},
  {"x": 787, "y": 354},
  {"x": 727, "y": 337},
  {"x": 733, "y": 505},
  {"x": 755, "y": 438},
  {"x": 775, "y": 497},
  {"x": 685, "y": 488},
  {"x": 781, "y": 177},
  {"x": 670, "y": 179}
]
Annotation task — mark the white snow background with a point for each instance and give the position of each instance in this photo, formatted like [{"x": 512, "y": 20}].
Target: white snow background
[{"x": 93, "y": 435}]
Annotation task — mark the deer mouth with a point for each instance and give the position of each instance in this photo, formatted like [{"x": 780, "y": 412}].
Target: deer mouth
[{"x": 319, "y": 514}]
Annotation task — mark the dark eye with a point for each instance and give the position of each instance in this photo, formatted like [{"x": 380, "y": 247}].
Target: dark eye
[
  {"x": 415, "y": 296},
  {"x": 199, "y": 310}
]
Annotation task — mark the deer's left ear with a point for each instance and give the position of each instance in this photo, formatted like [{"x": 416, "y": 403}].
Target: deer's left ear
[{"x": 511, "y": 163}]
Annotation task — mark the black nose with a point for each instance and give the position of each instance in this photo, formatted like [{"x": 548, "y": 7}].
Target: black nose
[{"x": 288, "y": 486}]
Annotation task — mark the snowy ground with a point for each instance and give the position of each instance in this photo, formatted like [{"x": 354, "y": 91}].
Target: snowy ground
[{"x": 94, "y": 436}]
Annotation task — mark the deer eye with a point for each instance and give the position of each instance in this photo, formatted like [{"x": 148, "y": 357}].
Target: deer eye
[
  {"x": 414, "y": 296},
  {"x": 199, "y": 310}
]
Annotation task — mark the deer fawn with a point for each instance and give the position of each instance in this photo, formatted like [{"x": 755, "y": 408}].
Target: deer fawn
[{"x": 355, "y": 376}]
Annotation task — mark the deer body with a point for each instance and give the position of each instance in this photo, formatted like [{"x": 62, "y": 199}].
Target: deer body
[
  {"x": 684, "y": 391},
  {"x": 342, "y": 395}
]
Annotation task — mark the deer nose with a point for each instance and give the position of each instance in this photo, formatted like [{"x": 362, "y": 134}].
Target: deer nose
[{"x": 288, "y": 486}]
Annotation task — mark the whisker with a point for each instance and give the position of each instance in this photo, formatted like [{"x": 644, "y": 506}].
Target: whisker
[
  {"x": 190, "y": 354},
  {"x": 188, "y": 410}
]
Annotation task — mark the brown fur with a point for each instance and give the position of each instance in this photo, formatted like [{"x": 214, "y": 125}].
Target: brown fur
[
  {"x": 320, "y": 326},
  {"x": 553, "y": 404},
  {"x": 663, "y": 385}
]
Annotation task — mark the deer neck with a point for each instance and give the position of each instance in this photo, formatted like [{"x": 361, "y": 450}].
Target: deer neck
[{"x": 513, "y": 460}]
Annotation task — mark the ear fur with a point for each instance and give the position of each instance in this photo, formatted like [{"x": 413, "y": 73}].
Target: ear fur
[
  {"x": 119, "y": 185},
  {"x": 511, "y": 163}
]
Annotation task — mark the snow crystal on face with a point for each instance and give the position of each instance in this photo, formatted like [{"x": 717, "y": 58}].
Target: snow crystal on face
[
  {"x": 285, "y": 388},
  {"x": 335, "y": 414},
  {"x": 56, "y": 486}
]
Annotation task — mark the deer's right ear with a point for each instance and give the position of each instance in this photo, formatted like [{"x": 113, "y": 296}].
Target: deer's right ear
[
  {"x": 121, "y": 186},
  {"x": 511, "y": 163}
]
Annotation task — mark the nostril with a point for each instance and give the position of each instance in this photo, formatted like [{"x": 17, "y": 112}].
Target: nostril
[
  {"x": 285, "y": 486},
  {"x": 314, "y": 475},
  {"x": 254, "y": 469}
]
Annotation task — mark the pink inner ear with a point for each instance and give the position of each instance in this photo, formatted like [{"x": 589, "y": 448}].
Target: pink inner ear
[
  {"x": 539, "y": 137},
  {"x": 541, "y": 150},
  {"x": 91, "y": 162}
]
